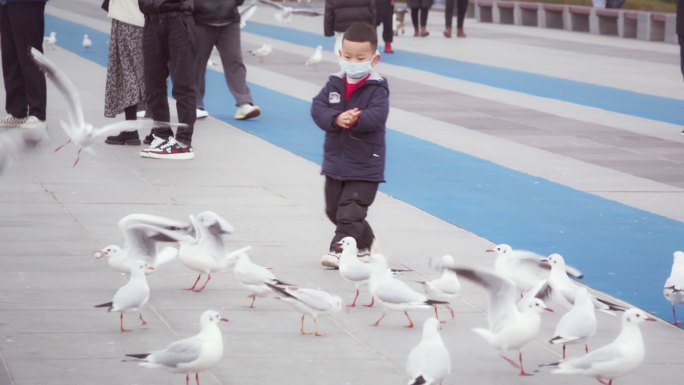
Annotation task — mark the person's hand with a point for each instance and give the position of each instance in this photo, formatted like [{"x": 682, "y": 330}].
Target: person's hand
[
  {"x": 348, "y": 118},
  {"x": 354, "y": 114}
]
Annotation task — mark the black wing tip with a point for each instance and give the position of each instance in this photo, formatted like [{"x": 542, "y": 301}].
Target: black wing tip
[
  {"x": 433, "y": 302},
  {"x": 140, "y": 356},
  {"x": 107, "y": 304},
  {"x": 612, "y": 306},
  {"x": 556, "y": 338},
  {"x": 279, "y": 289},
  {"x": 419, "y": 380}
]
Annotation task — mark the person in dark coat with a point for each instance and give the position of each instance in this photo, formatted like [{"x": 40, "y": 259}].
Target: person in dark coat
[
  {"x": 169, "y": 48},
  {"x": 340, "y": 14},
  {"x": 385, "y": 13},
  {"x": 461, "y": 9},
  {"x": 22, "y": 25},
  {"x": 419, "y": 16},
  {"x": 680, "y": 34},
  {"x": 217, "y": 23},
  {"x": 352, "y": 110}
]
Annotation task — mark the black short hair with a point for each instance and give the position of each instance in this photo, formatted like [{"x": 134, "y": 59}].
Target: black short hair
[{"x": 361, "y": 33}]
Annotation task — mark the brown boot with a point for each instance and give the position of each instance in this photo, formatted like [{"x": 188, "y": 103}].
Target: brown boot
[
  {"x": 460, "y": 32},
  {"x": 447, "y": 32}
]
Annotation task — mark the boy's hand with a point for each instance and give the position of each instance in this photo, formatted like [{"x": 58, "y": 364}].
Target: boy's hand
[{"x": 348, "y": 118}]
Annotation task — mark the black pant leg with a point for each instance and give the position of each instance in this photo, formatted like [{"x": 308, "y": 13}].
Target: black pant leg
[
  {"x": 156, "y": 71},
  {"x": 449, "y": 13},
  {"x": 183, "y": 66},
  {"x": 681, "y": 53},
  {"x": 414, "y": 17},
  {"x": 23, "y": 27},
  {"x": 424, "y": 16},
  {"x": 352, "y": 209},
  {"x": 462, "y": 8},
  {"x": 387, "y": 21},
  {"x": 332, "y": 192}
]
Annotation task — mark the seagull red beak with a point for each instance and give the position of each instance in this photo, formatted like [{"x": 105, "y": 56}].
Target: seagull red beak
[
  {"x": 490, "y": 250},
  {"x": 224, "y": 319},
  {"x": 649, "y": 318},
  {"x": 548, "y": 309}
]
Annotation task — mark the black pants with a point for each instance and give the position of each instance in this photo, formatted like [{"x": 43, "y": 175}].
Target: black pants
[
  {"x": 385, "y": 13},
  {"x": 461, "y": 9},
  {"x": 419, "y": 13},
  {"x": 346, "y": 205},
  {"x": 22, "y": 25},
  {"x": 681, "y": 52},
  {"x": 169, "y": 46}
]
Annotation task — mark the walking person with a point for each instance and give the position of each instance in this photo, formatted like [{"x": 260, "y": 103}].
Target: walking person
[
  {"x": 680, "y": 34},
  {"x": 169, "y": 48},
  {"x": 384, "y": 14},
  {"x": 125, "y": 86},
  {"x": 419, "y": 16},
  {"x": 22, "y": 25},
  {"x": 352, "y": 110},
  {"x": 340, "y": 14},
  {"x": 217, "y": 24},
  {"x": 461, "y": 9}
]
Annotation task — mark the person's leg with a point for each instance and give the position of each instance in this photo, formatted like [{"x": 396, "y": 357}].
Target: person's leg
[
  {"x": 156, "y": 70},
  {"x": 681, "y": 53},
  {"x": 332, "y": 191},
  {"x": 205, "y": 38},
  {"x": 387, "y": 16},
  {"x": 423, "y": 21},
  {"x": 183, "y": 64},
  {"x": 233, "y": 67},
  {"x": 28, "y": 24},
  {"x": 462, "y": 6},
  {"x": 352, "y": 210},
  {"x": 448, "y": 13},
  {"x": 15, "y": 100},
  {"x": 414, "y": 20}
]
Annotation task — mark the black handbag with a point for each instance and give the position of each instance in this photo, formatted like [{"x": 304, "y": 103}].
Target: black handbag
[{"x": 105, "y": 5}]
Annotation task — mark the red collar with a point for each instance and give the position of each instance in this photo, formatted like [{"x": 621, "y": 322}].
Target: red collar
[{"x": 350, "y": 88}]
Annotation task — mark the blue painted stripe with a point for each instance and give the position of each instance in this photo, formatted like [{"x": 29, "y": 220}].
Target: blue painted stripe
[
  {"x": 625, "y": 251},
  {"x": 608, "y": 98}
]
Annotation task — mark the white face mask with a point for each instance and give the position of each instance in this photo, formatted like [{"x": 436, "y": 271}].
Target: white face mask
[{"x": 356, "y": 70}]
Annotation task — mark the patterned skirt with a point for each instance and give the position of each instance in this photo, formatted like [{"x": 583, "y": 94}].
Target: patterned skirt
[{"x": 125, "y": 83}]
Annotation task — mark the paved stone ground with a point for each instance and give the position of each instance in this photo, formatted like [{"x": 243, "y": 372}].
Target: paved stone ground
[{"x": 53, "y": 217}]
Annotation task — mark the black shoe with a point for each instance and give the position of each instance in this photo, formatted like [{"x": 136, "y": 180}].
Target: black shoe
[
  {"x": 148, "y": 139},
  {"x": 124, "y": 137}
]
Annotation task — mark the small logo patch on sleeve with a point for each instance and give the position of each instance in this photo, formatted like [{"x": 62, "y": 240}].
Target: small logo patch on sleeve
[{"x": 334, "y": 97}]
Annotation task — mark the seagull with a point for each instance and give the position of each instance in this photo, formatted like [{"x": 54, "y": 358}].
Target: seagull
[
  {"x": 524, "y": 267},
  {"x": 17, "y": 140},
  {"x": 310, "y": 302},
  {"x": 50, "y": 41},
  {"x": 252, "y": 276},
  {"x": 207, "y": 252},
  {"x": 316, "y": 57},
  {"x": 262, "y": 52},
  {"x": 577, "y": 325},
  {"x": 446, "y": 287},
  {"x": 190, "y": 355},
  {"x": 674, "y": 285},
  {"x": 509, "y": 327},
  {"x": 247, "y": 12},
  {"x": 394, "y": 294},
  {"x": 142, "y": 233},
  {"x": 563, "y": 290},
  {"x": 429, "y": 361},
  {"x": 614, "y": 360},
  {"x": 285, "y": 14},
  {"x": 87, "y": 43},
  {"x": 79, "y": 132},
  {"x": 132, "y": 296},
  {"x": 352, "y": 269}
]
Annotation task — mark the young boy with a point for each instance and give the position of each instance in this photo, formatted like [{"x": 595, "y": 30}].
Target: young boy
[{"x": 352, "y": 109}]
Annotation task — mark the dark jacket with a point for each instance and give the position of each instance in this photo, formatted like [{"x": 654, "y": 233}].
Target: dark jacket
[
  {"x": 216, "y": 11},
  {"x": 153, "y": 7},
  {"x": 340, "y": 14},
  {"x": 680, "y": 18},
  {"x": 5, "y": 2},
  {"x": 357, "y": 153},
  {"x": 419, "y": 3}
]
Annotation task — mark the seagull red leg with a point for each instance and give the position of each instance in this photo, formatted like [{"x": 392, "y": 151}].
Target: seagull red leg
[
  {"x": 197, "y": 378},
  {"x": 60, "y": 147},
  {"x": 187, "y": 378},
  {"x": 316, "y": 332},
  {"x": 372, "y": 302},
  {"x": 78, "y": 157},
  {"x": 674, "y": 314},
  {"x": 522, "y": 370},
  {"x": 451, "y": 311},
  {"x": 301, "y": 328},
  {"x": 377, "y": 323},
  {"x": 205, "y": 283},
  {"x": 563, "y": 351},
  {"x": 251, "y": 305},
  {"x": 123, "y": 329},
  {"x": 353, "y": 304},
  {"x": 142, "y": 319},
  {"x": 410, "y": 324},
  {"x": 195, "y": 284},
  {"x": 586, "y": 348}
]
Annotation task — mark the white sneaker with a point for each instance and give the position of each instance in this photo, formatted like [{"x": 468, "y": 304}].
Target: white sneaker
[
  {"x": 331, "y": 260},
  {"x": 156, "y": 142},
  {"x": 247, "y": 111},
  {"x": 34, "y": 123},
  {"x": 10, "y": 121},
  {"x": 201, "y": 113},
  {"x": 140, "y": 114},
  {"x": 170, "y": 149}
]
